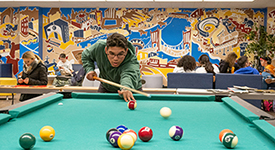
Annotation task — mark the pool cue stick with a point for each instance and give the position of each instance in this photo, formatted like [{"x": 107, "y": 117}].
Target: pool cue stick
[{"x": 121, "y": 86}]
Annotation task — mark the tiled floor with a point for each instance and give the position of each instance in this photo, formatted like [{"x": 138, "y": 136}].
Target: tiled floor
[{"x": 5, "y": 103}]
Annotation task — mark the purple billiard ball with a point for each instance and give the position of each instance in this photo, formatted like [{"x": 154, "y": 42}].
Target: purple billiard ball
[
  {"x": 176, "y": 132},
  {"x": 114, "y": 137},
  {"x": 109, "y": 132}
]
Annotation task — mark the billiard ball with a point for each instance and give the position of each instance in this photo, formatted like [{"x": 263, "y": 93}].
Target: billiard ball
[
  {"x": 165, "y": 112},
  {"x": 132, "y": 105},
  {"x": 109, "y": 132},
  {"x": 230, "y": 140},
  {"x": 121, "y": 128},
  {"x": 131, "y": 132},
  {"x": 114, "y": 137},
  {"x": 176, "y": 132},
  {"x": 47, "y": 133},
  {"x": 125, "y": 141},
  {"x": 145, "y": 134},
  {"x": 223, "y": 132},
  {"x": 27, "y": 140}
]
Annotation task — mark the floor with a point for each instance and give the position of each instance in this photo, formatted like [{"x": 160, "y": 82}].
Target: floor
[{"x": 5, "y": 103}]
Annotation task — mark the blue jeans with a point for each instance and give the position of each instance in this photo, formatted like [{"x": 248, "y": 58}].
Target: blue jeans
[{"x": 265, "y": 85}]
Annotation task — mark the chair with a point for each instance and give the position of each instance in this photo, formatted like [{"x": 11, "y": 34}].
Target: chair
[
  {"x": 6, "y": 70},
  {"x": 190, "y": 80},
  {"x": 153, "y": 81},
  {"x": 76, "y": 67}
]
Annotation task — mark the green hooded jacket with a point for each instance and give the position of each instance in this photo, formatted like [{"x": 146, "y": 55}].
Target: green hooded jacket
[{"x": 126, "y": 74}]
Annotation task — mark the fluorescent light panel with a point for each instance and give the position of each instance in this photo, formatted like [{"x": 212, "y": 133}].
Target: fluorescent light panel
[
  {"x": 178, "y": 0},
  {"x": 228, "y": 0},
  {"x": 130, "y": 0},
  {"x": 82, "y": 0},
  {"x": 35, "y": 0}
]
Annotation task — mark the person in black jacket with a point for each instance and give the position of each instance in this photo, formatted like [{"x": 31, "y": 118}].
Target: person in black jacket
[
  {"x": 34, "y": 73},
  {"x": 226, "y": 65},
  {"x": 78, "y": 76}
]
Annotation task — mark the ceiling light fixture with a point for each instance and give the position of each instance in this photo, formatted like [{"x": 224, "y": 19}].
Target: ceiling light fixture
[{"x": 228, "y": 0}]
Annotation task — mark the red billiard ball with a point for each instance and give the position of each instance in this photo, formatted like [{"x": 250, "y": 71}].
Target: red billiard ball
[
  {"x": 132, "y": 105},
  {"x": 145, "y": 134}
]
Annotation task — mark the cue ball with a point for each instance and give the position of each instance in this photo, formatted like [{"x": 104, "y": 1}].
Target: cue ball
[
  {"x": 47, "y": 133},
  {"x": 60, "y": 104},
  {"x": 176, "y": 133},
  {"x": 132, "y": 105},
  {"x": 165, "y": 112},
  {"x": 230, "y": 140},
  {"x": 27, "y": 140}
]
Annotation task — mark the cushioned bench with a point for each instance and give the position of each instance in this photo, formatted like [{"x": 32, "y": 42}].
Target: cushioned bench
[
  {"x": 225, "y": 80},
  {"x": 190, "y": 80}
]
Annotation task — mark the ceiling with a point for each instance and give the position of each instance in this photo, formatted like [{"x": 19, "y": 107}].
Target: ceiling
[{"x": 126, "y": 4}]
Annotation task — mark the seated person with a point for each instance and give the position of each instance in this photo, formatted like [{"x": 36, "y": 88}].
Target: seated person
[
  {"x": 1, "y": 62},
  {"x": 64, "y": 66},
  {"x": 245, "y": 67},
  {"x": 229, "y": 65},
  {"x": 206, "y": 66},
  {"x": 78, "y": 76},
  {"x": 186, "y": 64},
  {"x": 34, "y": 73},
  {"x": 268, "y": 73}
]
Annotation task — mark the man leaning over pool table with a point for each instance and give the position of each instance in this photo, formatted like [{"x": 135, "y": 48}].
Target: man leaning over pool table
[{"x": 117, "y": 62}]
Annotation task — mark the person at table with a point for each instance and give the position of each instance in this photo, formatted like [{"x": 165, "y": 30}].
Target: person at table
[
  {"x": 229, "y": 65},
  {"x": 245, "y": 66},
  {"x": 79, "y": 75},
  {"x": 64, "y": 66},
  {"x": 1, "y": 62},
  {"x": 34, "y": 73},
  {"x": 186, "y": 64},
  {"x": 205, "y": 66},
  {"x": 268, "y": 73},
  {"x": 117, "y": 62}
]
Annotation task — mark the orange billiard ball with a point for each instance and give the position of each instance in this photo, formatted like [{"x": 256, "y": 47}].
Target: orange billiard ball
[
  {"x": 223, "y": 132},
  {"x": 47, "y": 133}
]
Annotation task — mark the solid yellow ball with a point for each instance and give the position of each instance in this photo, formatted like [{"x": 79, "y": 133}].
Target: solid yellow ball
[
  {"x": 125, "y": 141},
  {"x": 47, "y": 133}
]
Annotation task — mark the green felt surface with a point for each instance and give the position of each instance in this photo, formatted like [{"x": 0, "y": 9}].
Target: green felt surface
[
  {"x": 18, "y": 112},
  {"x": 82, "y": 123},
  {"x": 4, "y": 118}
]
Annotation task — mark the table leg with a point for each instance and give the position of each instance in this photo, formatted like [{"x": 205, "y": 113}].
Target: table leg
[{"x": 12, "y": 96}]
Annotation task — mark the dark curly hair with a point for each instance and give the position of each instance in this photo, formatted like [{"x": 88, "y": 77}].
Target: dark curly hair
[
  {"x": 117, "y": 40},
  {"x": 187, "y": 62},
  {"x": 204, "y": 61}
]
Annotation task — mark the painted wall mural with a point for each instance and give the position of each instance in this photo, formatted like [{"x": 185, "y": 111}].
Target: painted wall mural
[{"x": 160, "y": 35}]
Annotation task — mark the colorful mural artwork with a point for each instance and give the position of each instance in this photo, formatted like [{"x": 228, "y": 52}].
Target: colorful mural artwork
[{"x": 160, "y": 35}]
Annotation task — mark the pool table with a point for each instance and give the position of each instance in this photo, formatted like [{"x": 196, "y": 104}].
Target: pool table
[{"x": 83, "y": 120}]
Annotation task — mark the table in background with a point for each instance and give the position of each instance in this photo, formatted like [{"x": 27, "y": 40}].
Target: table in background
[
  {"x": 83, "y": 120},
  {"x": 7, "y": 81}
]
